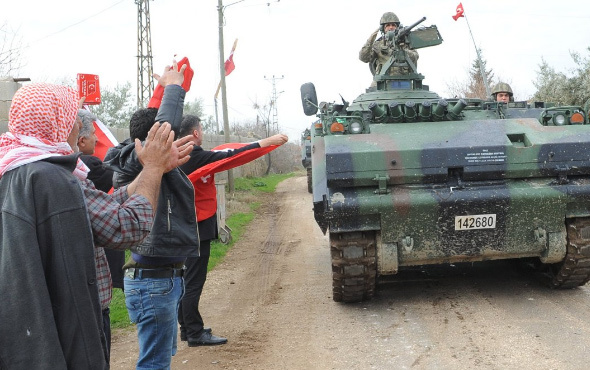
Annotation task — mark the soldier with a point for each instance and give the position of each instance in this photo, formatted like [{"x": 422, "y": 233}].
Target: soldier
[
  {"x": 502, "y": 93},
  {"x": 378, "y": 51}
]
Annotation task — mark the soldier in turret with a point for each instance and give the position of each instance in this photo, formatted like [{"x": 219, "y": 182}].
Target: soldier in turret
[
  {"x": 377, "y": 51},
  {"x": 502, "y": 92}
]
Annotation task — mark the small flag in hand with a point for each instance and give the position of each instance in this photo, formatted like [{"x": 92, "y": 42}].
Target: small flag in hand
[{"x": 460, "y": 11}]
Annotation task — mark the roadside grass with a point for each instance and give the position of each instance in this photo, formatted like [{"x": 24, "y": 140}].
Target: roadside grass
[{"x": 241, "y": 208}]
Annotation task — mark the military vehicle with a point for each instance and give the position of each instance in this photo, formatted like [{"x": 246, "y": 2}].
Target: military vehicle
[
  {"x": 306, "y": 155},
  {"x": 404, "y": 178}
]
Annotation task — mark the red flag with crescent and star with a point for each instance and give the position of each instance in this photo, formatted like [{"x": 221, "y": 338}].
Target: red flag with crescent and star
[
  {"x": 460, "y": 12},
  {"x": 203, "y": 178}
]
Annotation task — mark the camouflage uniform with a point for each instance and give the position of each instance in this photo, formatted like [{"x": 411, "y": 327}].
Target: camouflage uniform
[{"x": 381, "y": 50}]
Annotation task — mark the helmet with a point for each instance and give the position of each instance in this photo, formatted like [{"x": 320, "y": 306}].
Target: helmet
[
  {"x": 502, "y": 87},
  {"x": 389, "y": 17}
]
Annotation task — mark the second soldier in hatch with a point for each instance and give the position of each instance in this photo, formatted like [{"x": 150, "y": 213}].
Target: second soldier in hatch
[
  {"x": 502, "y": 92},
  {"x": 377, "y": 51}
]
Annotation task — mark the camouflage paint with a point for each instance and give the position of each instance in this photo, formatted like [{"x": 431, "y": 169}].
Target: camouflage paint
[{"x": 390, "y": 181}]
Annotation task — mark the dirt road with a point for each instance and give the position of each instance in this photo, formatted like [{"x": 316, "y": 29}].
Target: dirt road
[{"x": 272, "y": 299}]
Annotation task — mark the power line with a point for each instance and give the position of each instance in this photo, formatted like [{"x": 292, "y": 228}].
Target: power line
[{"x": 75, "y": 24}]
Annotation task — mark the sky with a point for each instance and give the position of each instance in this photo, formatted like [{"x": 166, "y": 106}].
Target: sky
[{"x": 294, "y": 41}]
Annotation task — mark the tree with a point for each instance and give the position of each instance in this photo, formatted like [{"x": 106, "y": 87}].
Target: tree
[
  {"x": 263, "y": 118},
  {"x": 117, "y": 106},
  {"x": 265, "y": 113},
  {"x": 10, "y": 51},
  {"x": 477, "y": 87},
  {"x": 195, "y": 107},
  {"x": 474, "y": 87},
  {"x": 558, "y": 88}
]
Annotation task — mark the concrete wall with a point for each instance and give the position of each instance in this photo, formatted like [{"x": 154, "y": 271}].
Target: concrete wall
[{"x": 8, "y": 87}]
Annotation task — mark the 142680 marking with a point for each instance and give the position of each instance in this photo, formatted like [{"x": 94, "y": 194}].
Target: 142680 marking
[{"x": 475, "y": 222}]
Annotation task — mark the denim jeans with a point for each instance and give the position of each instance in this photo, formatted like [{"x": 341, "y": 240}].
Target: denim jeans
[{"x": 152, "y": 304}]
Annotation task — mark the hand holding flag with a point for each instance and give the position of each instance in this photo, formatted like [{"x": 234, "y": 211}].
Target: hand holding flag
[
  {"x": 158, "y": 93},
  {"x": 460, "y": 12}
]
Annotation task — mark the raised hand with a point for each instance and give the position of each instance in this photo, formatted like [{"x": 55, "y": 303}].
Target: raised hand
[
  {"x": 156, "y": 151},
  {"x": 278, "y": 139},
  {"x": 171, "y": 76}
]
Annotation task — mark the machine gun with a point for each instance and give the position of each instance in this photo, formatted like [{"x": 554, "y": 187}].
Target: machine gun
[
  {"x": 400, "y": 35},
  {"x": 414, "y": 39}
]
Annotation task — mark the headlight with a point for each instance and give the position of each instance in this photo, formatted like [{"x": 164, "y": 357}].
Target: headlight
[
  {"x": 559, "y": 119},
  {"x": 356, "y": 128}
]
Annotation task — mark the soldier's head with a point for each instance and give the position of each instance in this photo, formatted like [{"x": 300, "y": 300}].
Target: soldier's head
[
  {"x": 502, "y": 92},
  {"x": 389, "y": 22}
]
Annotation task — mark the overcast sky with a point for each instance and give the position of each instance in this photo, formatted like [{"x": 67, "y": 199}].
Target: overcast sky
[{"x": 296, "y": 41}]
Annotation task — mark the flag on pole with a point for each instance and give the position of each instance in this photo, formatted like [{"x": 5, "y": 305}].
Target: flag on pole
[
  {"x": 229, "y": 66},
  {"x": 106, "y": 140},
  {"x": 229, "y": 63},
  {"x": 460, "y": 12}
]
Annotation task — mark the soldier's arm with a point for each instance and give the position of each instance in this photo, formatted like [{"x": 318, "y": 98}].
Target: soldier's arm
[{"x": 367, "y": 54}]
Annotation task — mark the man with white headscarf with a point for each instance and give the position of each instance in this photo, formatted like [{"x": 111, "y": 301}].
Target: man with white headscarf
[{"x": 51, "y": 218}]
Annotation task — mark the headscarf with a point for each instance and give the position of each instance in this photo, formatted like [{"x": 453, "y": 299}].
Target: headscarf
[{"x": 40, "y": 120}]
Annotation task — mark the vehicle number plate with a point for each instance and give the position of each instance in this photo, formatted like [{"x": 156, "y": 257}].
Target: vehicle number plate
[{"x": 475, "y": 222}]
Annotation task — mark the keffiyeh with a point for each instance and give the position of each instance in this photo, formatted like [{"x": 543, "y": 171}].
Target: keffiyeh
[{"x": 40, "y": 120}]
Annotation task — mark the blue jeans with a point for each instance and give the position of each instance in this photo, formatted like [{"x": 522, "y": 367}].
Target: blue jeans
[{"x": 152, "y": 304}]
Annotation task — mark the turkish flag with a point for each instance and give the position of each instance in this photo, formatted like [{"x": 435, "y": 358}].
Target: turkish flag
[
  {"x": 203, "y": 178},
  {"x": 230, "y": 162},
  {"x": 158, "y": 93},
  {"x": 229, "y": 64},
  {"x": 106, "y": 140},
  {"x": 460, "y": 12}
]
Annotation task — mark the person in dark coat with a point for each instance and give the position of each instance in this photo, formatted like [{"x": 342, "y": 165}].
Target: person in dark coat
[{"x": 51, "y": 314}]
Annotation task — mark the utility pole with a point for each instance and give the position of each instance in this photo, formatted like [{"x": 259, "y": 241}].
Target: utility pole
[
  {"x": 273, "y": 103},
  {"x": 230, "y": 173},
  {"x": 275, "y": 116},
  {"x": 145, "y": 84}
]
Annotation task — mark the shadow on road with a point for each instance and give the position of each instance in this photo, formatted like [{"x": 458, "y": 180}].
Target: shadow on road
[{"x": 499, "y": 279}]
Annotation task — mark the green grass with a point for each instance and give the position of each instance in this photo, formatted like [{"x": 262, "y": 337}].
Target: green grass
[
  {"x": 266, "y": 184},
  {"x": 237, "y": 222}
]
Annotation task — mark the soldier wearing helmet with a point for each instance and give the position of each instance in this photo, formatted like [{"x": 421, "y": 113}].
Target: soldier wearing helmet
[
  {"x": 502, "y": 92},
  {"x": 377, "y": 51}
]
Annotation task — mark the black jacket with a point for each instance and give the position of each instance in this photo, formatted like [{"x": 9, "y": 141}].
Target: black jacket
[
  {"x": 175, "y": 232},
  {"x": 50, "y": 316}
]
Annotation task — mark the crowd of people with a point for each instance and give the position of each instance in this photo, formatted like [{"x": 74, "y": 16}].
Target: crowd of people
[{"x": 62, "y": 208}]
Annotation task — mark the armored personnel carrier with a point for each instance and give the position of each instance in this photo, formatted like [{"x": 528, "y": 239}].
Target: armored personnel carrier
[
  {"x": 306, "y": 155},
  {"x": 403, "y": 177}
]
